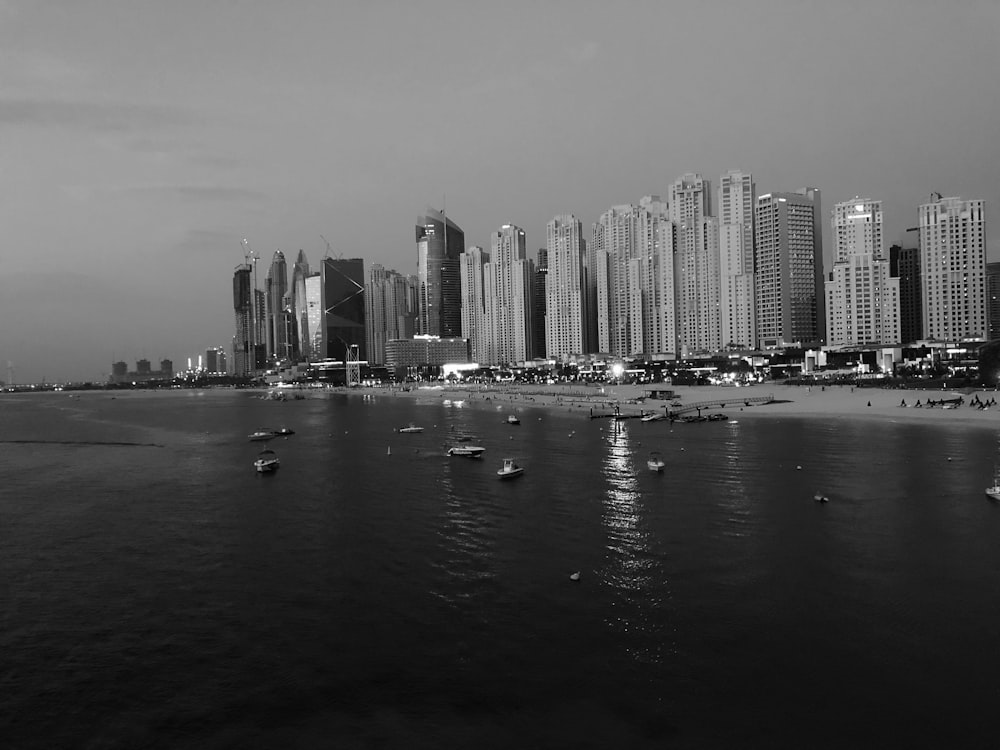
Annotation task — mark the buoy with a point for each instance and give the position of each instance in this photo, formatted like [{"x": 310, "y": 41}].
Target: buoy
[
  {"x": 388, "y": 451},
  {"x": 574, "y": 576}
]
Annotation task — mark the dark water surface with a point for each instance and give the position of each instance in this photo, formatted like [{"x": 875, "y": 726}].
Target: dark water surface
[{"x": 158, "y": 593}]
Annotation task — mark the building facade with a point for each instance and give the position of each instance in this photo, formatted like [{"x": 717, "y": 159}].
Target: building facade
[
  {"x": 389, "y": 312},
  {"x": 508, "y": 281},
  {"x": 737, "y": 317},
  {"x": 472, "y": 263},
  {"x": 424, "y": 350},
  {"x": 565, "y": 287},
  {"x": 696, "y": 266},
  {"x": 785, "y": 269},
  {"x": 904, "y": 264},
  {"x": 343, "y": 305},
  {"x": 862, "y": 296},
  {"x": 953, "y": 268}
]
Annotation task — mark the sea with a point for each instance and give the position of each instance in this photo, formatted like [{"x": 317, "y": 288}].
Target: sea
[{"x": 156, "y": 592}]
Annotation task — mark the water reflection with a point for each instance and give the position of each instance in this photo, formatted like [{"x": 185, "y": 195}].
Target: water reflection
[{"x": 631, "y": 570}]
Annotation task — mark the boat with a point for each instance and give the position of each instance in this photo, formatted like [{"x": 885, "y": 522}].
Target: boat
[
  {"x": 264, "y": 434},
  {"x": 469, "y": 451},
  {"x": 512, "y": 419},
  {"x": 284, "y": 431},
  {"x": 993, "y": 493},
  {"x": 509, "y": 470},
  {"x": 655, "y": 462},
  {"x": 652, "y": 417},
  {"x": 267, "y": 461},
  {"x": 412, "y": 428}
]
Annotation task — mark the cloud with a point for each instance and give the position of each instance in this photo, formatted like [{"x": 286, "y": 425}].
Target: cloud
[{"x": 90, "y": 115}]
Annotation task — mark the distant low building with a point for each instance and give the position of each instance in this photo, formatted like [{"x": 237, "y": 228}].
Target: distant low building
[{"x": 423, "y": 350}]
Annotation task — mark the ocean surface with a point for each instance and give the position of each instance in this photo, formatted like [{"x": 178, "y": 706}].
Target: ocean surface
[{"x": 155, "y": 592}]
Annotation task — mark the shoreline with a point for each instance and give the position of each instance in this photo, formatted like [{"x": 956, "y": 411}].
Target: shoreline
[{"x": 816, "y": 401}]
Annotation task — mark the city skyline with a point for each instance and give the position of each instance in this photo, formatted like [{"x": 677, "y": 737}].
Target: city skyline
[{"x": 144, "y": 142}]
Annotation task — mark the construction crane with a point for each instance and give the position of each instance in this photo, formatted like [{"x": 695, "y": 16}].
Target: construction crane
[{"x": 329, "y": 249}]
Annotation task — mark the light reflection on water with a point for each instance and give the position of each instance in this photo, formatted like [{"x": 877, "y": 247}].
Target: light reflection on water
[{"x": 631, "y": 568}]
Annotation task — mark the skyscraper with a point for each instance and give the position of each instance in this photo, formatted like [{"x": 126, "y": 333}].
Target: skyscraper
[
  {"x": 472, "y": 263},
  {"x": 440, "y": 242},
  {"x": 243, "y": 306},
  {"x": 566, "y": 299},
  {"x": 298, "y": 306},
  {"x": 953, "y": 268},
  {"x": 819, "y": 278},
  {"x": 538, "y": 294},
  {"x": 343, "y": 304},
  {"x": 275, "y": 289},
  {"x": 697, "y": 270},
  {"x": 862, "y": 297},
  {"x": 784, "y": 269},
  {"x": 633, "y": 256},
  {"x": 904, "y": 264},
  {"x": 737, "y": 194},
  {"x": 507, "y": 280}
]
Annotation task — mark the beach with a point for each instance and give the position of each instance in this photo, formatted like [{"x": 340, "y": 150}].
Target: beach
[{"x": 830, "y": 401}]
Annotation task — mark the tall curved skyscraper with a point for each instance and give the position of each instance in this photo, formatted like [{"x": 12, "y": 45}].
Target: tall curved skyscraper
[
  {"x": 276, "y": 287},
  {"x": 440, "y": 242},
  {"x": 299, "y": 305}
]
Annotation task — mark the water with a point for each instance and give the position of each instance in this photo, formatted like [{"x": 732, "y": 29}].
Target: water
[{"x": 376, "y": 593}]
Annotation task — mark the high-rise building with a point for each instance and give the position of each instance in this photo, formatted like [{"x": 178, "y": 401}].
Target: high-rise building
[
  {"x": 471, "y": 264},
  {"x": 312, "y": 343},
  {"x": 243, "y": 340},
  {"x": 633, "y": 259},
  {"x": 298, "y": 306},
  {"x": 215, "y": 360},
  {"x": 953, "y": 268},
  {"x": 440, "y": 242},
  {"x": 343, "y": 304},
  {"x": 904, "y": 264},
  {"x": 538, "y": 294},
  {"x": 507, "y": 278},
  {"x": 993, "y": 300},
  {"x": 697, "y": 267},
  {"x": 862, "y": 296},
  {"x": 566, "y": 298},
  {"x": 819, "y": 278},
  {"x": 737, "y": 194},
  {"x": 784, "y": 269},
  {"x": 275, "y": 289},
  {"x": 389, "y": 312}
]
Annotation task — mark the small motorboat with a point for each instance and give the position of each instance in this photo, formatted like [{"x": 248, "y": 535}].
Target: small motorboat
[
  {"x": 267, "y": 461},
  {"x": 509, "y": 470},
  {"x": 468, "y": 451},
  {"x": 411, "y": 428},
  {"x": 655, "y": 462},
  {"x": 652, "y": 417},
  {"x": 512, "y": 419},
  {"x": 993, "y": 493},
  {"x": 284, "y": 431},
  {"x": 264, "y": 434}
]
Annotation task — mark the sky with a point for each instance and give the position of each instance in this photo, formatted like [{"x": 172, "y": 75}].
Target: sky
[{"x": 142, "y": 141}]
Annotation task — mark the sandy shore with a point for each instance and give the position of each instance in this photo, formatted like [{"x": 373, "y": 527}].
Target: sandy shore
[{"x": 799, "y": 401}]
